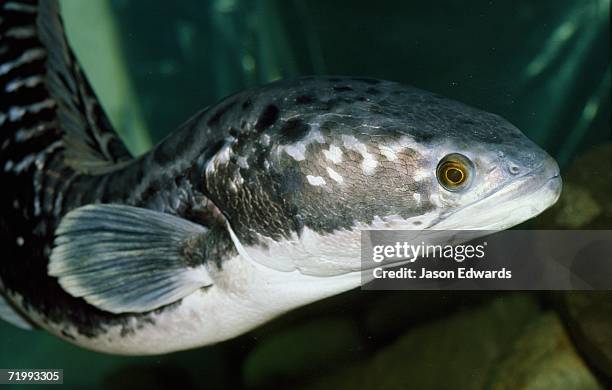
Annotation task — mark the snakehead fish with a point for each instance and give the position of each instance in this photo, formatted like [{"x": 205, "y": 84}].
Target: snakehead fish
[{"x": 251, "y": 208}]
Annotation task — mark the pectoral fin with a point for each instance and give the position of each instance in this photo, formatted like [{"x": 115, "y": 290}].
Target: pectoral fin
[{"x": 127, "y": 259}]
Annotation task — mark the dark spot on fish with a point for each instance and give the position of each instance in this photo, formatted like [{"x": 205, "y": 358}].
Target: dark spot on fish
[
  {"x": 117, "y": 150},
  {"x": 267, "y": 118},
  {"x": 342, "y": 88},
  {"x": 289, "y": 185},
  {"x": 328, "y": 127},
  {"x": 361, "y": 98},
  {"x": 154, "y": 187},
  {"x": 305, "y": 99},
  {"x": 246, "y": 104},
  {"x": 466, "y": 121},
  {"x": 298, "y": 222},
  {"x": 25, "y": 96},
  {"x": 422, "y": 136},
  {"x": 260, "y": 159},
  {"x": 162, "y": 155},
  {"x": 213, "y": 149},
  {"x": 126, "y": 331},
  {"x": 330, "y": 104},
  {"x": 376, "y": 109},
  {"x": 104, "y": 192},
  {"x": 367, "y": 80},
  {"x": 293, "y": 130},
  {"x": 214, "y": 120},
  {"x": 167, "y": 151},
  {"x": 115, "y": 146},
  {"x": 417, "y": 223},
  {"x": 334, "y": 79},
  {"x": 233, "y": 132},
  {"x": 372, "y": 91},
  {"x": 67, "y": 335},
  {"x": 233, "y": 158},
  {"x": 195, "y": 176}
]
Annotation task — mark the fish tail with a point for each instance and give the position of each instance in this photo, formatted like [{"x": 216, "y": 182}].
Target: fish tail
[
  {"x": 28, "y": 125},
  {"x": 52, "y": 126},
  {"x": 54, "y": 136},
  {"x": 53, "y": 130}
]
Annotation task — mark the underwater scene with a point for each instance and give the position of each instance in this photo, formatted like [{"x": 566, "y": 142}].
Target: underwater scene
[{"x": 542, "y": 65}]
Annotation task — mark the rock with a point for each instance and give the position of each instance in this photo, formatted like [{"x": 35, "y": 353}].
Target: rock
[
  {"x": 507, "y": 343},
  {"x": 589, "y": 318},
  {"x": 457, "y": 350},
  {"x": 543, "y": 357}
]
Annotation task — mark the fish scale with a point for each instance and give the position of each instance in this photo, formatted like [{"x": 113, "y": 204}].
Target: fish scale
[
  {"x": 33, "y": 163},
  {"x": 251, "y": 208}
]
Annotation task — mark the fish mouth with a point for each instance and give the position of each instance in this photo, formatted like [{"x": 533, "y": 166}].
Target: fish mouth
[
  {"x": 516, "y": 201},
  {"x": 521, "y": 199}
]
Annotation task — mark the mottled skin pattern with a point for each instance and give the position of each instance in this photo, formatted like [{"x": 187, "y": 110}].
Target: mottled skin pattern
[
  {"x": 268, "y": 192},
  {"x": 34, "y": 176},
  {"x": 40, "y": 186},
  {"x": 318, "y": 153}
]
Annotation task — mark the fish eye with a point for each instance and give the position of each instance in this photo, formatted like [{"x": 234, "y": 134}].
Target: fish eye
[{"x": 454, "y": 172}]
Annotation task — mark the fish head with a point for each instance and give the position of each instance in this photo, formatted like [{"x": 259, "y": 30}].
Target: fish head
[{"x": 321, "y": 159}]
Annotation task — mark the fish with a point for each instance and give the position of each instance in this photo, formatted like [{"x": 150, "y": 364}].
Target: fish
[{"x": 251, "y": 208}]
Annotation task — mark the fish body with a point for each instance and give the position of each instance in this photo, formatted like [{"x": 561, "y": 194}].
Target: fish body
[{"x": 251, "y": 208}]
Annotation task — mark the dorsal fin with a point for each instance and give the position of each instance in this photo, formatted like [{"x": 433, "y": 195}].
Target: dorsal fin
[
  {"x": 32, "y": 33},
  {"x": 91, "y": 143}
]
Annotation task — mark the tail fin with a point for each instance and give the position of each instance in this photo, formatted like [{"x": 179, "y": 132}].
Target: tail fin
[
  {"x": 53, "y": 133},
  {"x": 46, "y": 103}
]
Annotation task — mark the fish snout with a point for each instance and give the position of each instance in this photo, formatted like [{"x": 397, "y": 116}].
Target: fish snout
[
  {"x": 552, "y": 172},
  {"x": 549, "y": 175}
]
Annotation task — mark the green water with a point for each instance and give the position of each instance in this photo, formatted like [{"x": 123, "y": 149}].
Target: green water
[{"x": 544, "y": 65}]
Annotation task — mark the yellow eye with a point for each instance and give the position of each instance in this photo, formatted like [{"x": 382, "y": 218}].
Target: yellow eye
[{"x": 454, "y": 172}]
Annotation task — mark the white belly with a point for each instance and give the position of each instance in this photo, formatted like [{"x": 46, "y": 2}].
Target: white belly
[{"x": 244, "y": 295}]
